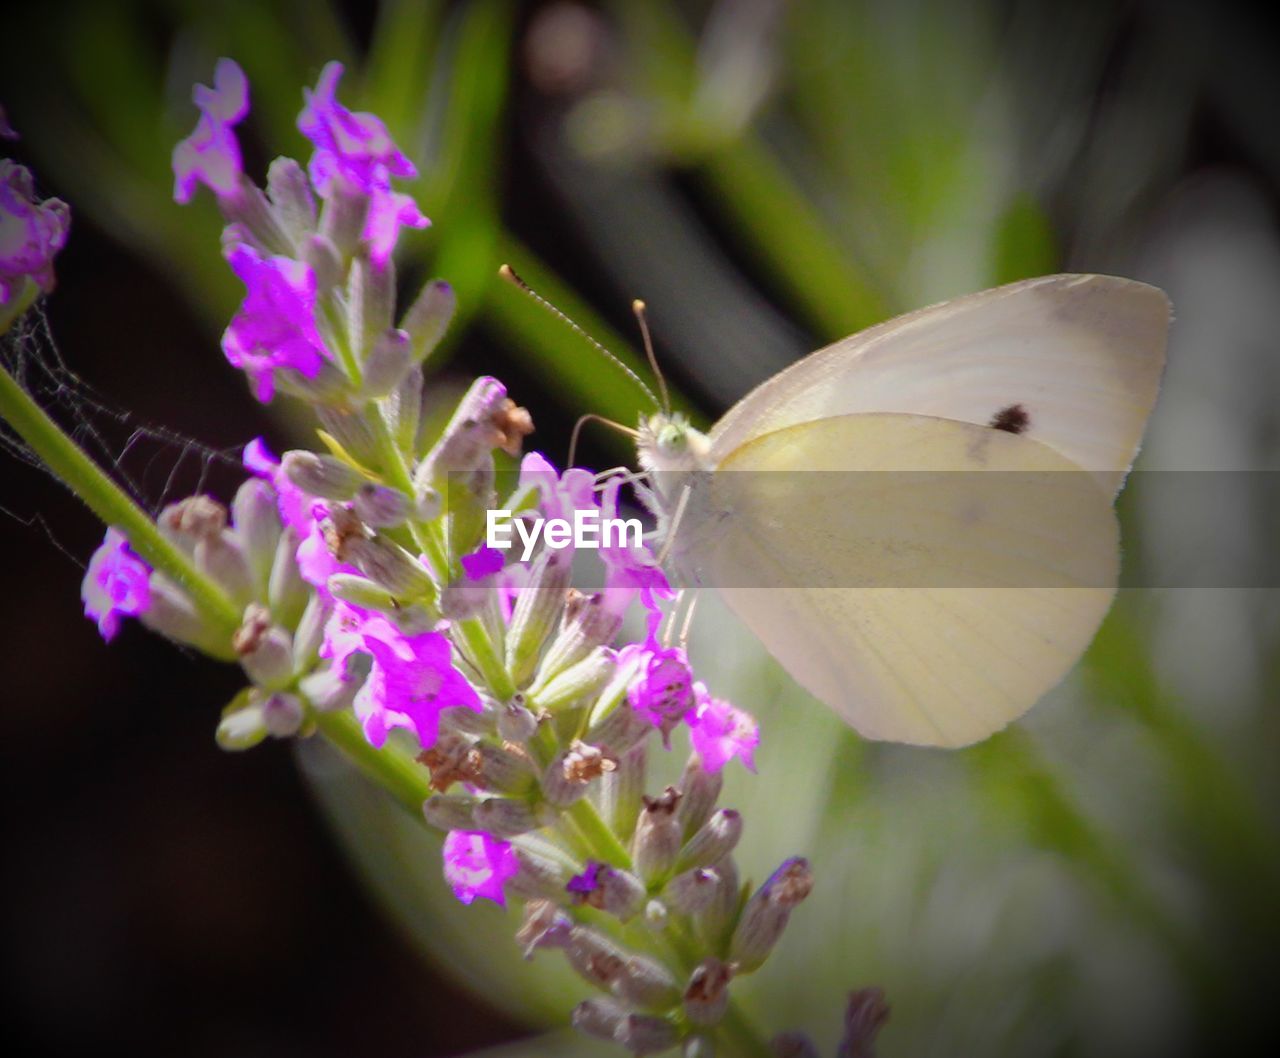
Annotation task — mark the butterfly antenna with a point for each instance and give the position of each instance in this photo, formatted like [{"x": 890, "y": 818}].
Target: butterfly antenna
[
  {"x": 639, "y": 308},
  {"x": 509, "y": 274},
  {"x": 592, "y": 417}
]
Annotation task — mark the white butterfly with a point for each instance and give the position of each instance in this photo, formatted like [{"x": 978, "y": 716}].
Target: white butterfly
[{"x": 931, "y": 605}]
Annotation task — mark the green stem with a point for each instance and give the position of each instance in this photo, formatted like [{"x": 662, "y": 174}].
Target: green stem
[
  {"x": 401, "y": 776},
  {"x": 481, "y": 653},
  {"x": 597, "y": 832},
  {"x": 110, "y": 503}
]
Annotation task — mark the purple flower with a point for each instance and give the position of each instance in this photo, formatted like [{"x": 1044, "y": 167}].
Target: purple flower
[
  {"x": 316, "y": 563},
  {"x": 561, "y": 494},
  {"x": 31, "y": 232},
  {"x": 355, "y": 148},
  {"x": 720, "y": 732},
  {"x": 275, "y": 327},
  {"x": 389, "y": 211},
  {"x": 662, "y": 689},
  {"x": 632, "y": 571},
  {"x": 6, "y": 130},
  {"x": 413, "y": 679},
  {"x": 482, "y": 563},
  {"x": 115, "y": 585},
  {"x": 211, "y": 154},
  {"x": 293, "y": 503},
  {"x": 478, "y": 864},
  {"x": 581, "y": 886},
  {"x": 348, "y": 628}
]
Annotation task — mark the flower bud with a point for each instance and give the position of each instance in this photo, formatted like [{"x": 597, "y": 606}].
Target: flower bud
[
  {"x": 541, "y": 876},
  {"x": 515, "y": 722},
  {"x": 332, "y": 687},
  {"x": 221, "y": 557},
  {"x": 864, "y": 1017},
  {"x": 287, "y": 592},
  {"x": 571, "y": 770},
  {"x": 657, "y": 839},
  {"x": 715, "y": 922},
  {"x": 599, "y": 1017},
  {"x": 505, "y": 818},
  {"x": 706, "y": 997},
  {"x": 380, "y": 507},
  {"x": 403, "y": 408},
  {"x": 321, "y": 475},
  {"x": 595, "y": 957},
  {"x": 470, "y": 723},
  {"x": 172, "y": 614},
  {"x": 544, "y": 926},
  {"x": 352, "y": 432},
  {"x": 265, "y": 649},
  {"x": 468, "y": 440},
  {"x": 646, "y": 1034},
  {"x": 241, "y": 728},
  {"x": 282, "y": 715},
  {"x": 386, "y": 364},
  {"x": 427, "y": 319},
  {"x": 342, "y": 217},
  {"x": 699, "y": 789},
  {"x": 618, "y": 730},
  {"x": 191, "y": 520},
  {"x": 389, "y": 566},
  {"x": 450, "y": 811},
  {"x": 308, "y": 636},
  {"x": 691, "y": 892},
  {"x": 572, "y": 685},
  {"x": 322, "y": 257},
  {"x": 718, "y": 837},
  {"x": 537, "y": 607},
  {"x": 371, "y": 295},
  {"x": 294, "y": 207},
  {"x": 242, "y": 725},
  {"x": 586, "y": 625},
  {"x": 647, "y": 984},
  {"x": 610, "y": 889},
  {"x": 257, "y": 524},
  {"x": 622, "y": 790},
  {"x": 249, "y": 210},
  {"x": 505, "y": 769},
  {"x": 765, "y": 915},
  {"x": 362, "y": 592}
]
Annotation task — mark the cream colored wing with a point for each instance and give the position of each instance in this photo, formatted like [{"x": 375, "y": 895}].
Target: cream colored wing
[
  {"x": 928, "y": 579},
  {"x": 1073, "y": 361}
]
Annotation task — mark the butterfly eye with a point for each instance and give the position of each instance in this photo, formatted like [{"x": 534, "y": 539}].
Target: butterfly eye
[{"x": 672, "y": 438}]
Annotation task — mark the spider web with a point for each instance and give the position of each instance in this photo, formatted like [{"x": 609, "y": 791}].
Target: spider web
[{"x": 154, "y": 464}]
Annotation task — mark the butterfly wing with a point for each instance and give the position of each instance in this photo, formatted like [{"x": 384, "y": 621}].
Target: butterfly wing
[
  {"x": 1073, "y": 361},
  {"x": 926, "y": 578}
]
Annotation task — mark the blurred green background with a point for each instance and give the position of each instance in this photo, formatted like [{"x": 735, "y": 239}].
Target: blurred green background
[{"x": 1101, "y": 880}]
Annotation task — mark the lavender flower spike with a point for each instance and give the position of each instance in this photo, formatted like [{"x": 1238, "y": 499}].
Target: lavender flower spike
[
  {"x": 31, "y": 232},
  {"x": 115, "y": 585},
  {"x": 211, "y": 154}
]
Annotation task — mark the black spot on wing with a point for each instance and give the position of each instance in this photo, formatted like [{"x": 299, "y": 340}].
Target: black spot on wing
[{"x": 1013, "y": 419}]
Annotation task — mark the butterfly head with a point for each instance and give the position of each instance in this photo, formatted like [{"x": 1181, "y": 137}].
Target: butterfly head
[{"x": 667, "y": 443}]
